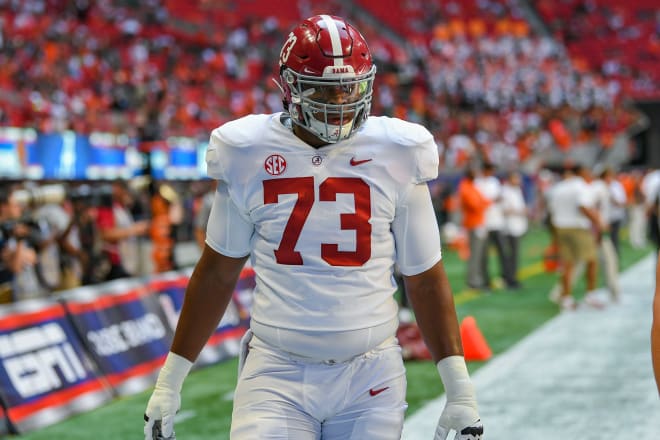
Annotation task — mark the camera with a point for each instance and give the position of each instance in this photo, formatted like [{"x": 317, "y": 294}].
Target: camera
[
  {"x": 24, "y": 228},
  {"x": 91, "y": 195}
]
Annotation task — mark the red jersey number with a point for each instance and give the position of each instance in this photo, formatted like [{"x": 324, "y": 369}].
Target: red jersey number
[{"x": 358, "y": 221}]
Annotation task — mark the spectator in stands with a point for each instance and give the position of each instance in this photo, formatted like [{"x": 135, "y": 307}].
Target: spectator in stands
[
  {"x": 324, "y": 317},
  {"x": 127, "y": 72},
  {"x": 119, "y": 232},
  {"x": 571, "y": 207},
  {"x": 516, "y": 215},
  {"x": 473, "y": 209}
]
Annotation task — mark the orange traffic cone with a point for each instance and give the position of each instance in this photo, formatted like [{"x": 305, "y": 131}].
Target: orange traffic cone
[{"x": 475, "y": 347}]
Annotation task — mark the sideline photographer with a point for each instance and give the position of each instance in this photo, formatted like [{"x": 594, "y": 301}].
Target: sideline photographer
[
  {"x": 19, "y": 239},
  {"x": 81, "y": 242}
]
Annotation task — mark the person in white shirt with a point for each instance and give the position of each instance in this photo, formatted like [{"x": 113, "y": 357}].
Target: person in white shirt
[
  {"x": 606, "y": 250},
  {"x": 571, "y": 207},
  {"x": 491, "y": 187},
  {"x": 618, "y": 202},
  {"x": 516, "y": 222},
  {"x": 324, "y": 200}
]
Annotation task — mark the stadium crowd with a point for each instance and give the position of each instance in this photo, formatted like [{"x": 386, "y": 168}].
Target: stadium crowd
[{"x": 486, "y": 85}]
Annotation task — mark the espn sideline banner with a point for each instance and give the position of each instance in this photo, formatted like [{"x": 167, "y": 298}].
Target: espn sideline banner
[{"x": 79, "y": 350}]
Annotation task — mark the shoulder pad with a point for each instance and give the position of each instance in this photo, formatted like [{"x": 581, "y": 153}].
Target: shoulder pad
[
  {"x": 238, "y": 133},
  {"x": 416, "y": 138}
]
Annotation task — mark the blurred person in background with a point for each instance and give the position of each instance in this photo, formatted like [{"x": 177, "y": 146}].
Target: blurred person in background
[
  {"x": 571, "y": 207},
  {"x": 637, "y": 223},
  {"x": 75, "y": 257},
  {"x": 93, "y": 260},
  {"x": 608, "y": 257},
  {"x": 490, "y": 186},
  {"x": 325, "y": 200},
  {"x": 47, "y": 206},
  {"x": 20, "y": 239},
  {"x": 473, "y": 206},
  {"x": 617, "y": 212},
  {"x": 166, "y": 214},
  {"x": 516, "y": 223},
  {"x": 119, "y": 233}
]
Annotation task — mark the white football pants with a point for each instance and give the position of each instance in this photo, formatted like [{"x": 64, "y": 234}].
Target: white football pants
[{"x": 279, "y": 396}]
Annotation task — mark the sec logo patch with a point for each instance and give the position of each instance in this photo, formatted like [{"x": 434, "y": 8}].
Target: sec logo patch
[{"x": 275, "y": 165}]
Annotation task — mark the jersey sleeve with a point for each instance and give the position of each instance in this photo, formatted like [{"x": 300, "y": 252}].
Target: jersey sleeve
[
  {"x": 214, "y": 166},
  {"x": 426, "y": 160},
  {"x": 419, "y": 142},
  {"x": 416, "y": 232},
  {"x": 227, "y": 231}
]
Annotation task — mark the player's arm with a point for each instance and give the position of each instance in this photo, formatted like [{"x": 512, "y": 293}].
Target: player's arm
[
  {"x": 208, "y": 293},
  {"x": 419, "y": 258},
  {"x": 433, "y": 303},
  {"x": 655, "y": 328}
]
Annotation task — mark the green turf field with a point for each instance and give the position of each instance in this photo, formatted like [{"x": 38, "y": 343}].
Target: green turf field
[{"x": 504, "y": 317}]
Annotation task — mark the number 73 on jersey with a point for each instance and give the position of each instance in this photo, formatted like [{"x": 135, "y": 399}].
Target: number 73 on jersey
[{"x": 358, "y": 220}]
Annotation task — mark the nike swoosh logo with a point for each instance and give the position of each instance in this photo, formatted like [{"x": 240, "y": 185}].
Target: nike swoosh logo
[
  {"x": 359, "y": 162},
  {"x": 373, "y": 392}
]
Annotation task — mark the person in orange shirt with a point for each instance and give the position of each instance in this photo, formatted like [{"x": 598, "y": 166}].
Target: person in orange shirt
[{"x": 473, "y": 206}]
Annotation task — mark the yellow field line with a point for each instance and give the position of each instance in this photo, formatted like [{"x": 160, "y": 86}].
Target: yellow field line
[{"x": 468, "y": 295}]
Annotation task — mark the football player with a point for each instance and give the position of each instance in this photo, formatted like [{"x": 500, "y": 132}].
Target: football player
[{"x": 325, "y": 200}]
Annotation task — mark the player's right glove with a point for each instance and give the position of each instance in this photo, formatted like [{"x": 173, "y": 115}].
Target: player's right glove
[
  {"x": 460, "y": 413},
  {"x": 165, "y": 401}
]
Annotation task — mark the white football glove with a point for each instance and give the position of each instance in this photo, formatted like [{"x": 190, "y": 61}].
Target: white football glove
[
  {"x": 165, "y": 401},
  {"x": 460, "y": 414}
]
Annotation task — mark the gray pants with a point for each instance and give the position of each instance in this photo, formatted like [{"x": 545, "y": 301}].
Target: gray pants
[
  {"x": 478, "y": 239},
  {"x": 512, "y": 255},
  {"x": 496, "y": 238}
]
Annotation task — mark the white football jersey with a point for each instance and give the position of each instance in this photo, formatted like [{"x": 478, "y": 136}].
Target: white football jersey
[{"x": 323, "y": 232}]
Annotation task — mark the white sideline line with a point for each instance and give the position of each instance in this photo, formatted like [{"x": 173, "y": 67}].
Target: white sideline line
[
  {"x": 184, "y": 415},
  {"x": 584, "y": 374}
]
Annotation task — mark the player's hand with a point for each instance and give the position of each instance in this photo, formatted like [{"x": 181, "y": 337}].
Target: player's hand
[
  {"x": 462, "y": 419},
  {"x": 460, "y": 414},
  {"x": 159, "y": 415},
  {"x": 165, "y": 401}
]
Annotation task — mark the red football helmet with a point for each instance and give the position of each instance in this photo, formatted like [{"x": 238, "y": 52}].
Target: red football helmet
[{"x": 327, "y": 76}]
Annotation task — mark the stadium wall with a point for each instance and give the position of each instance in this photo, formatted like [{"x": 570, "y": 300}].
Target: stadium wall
[{"x": 86, "y": 346}]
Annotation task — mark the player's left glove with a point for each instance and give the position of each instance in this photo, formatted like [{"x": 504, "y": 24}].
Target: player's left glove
[
  {"x": 460, "y": 413},
  {"x": 165, "y": 401}
]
